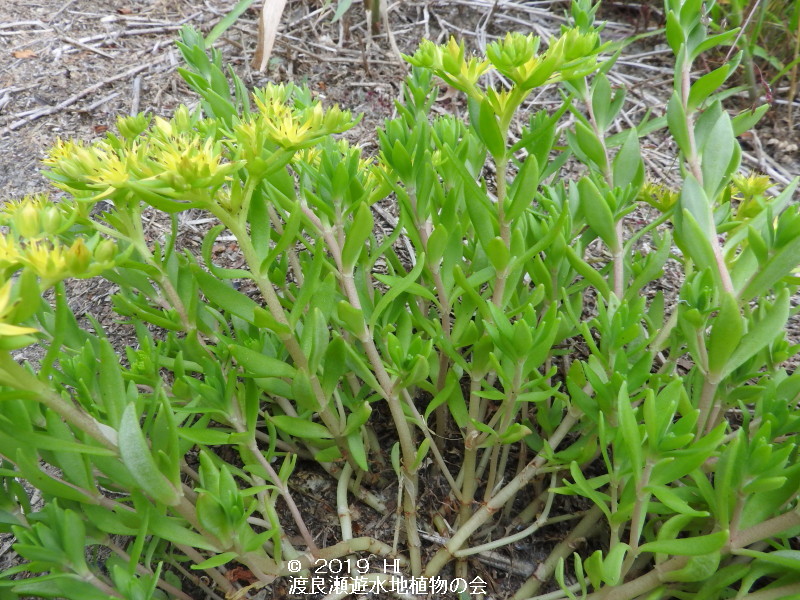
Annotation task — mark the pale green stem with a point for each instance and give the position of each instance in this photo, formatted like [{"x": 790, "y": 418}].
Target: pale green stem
[
  {"x": 706, "y": 404},
  {"x": 566, "y": 547},
  {"x": 360, "y": 544},
  {"x": 638, "y": 516},
  {"x": 405, "y": 436},
  {"x": 283, "y": 490},
  {"x": 487, "y": 511},
  {"x": 101, "y": 585},
  {"x": 739, "y": 539},
  {"x": 288, "y": 339},
  {"x": 437, "y": 455},
  {"x": 664, "y": 332},
  {"x": 469, "y": 473},
  {"x": 505, "y": 231},
  {"x": 342, "y": 506},
  {"x": 163, "y": 281},
  {"x": 214, "y": 573},
  {"x": 767, "y": 529},
  {"x": 293, "y": 262},
  {"x": 618, "y": 250},
  {"x": 365, "y": 496},
  {"x": 538, "y": 524},
  {"x": 142, "y": 570},
  {"x": 508, "y": 412},
  {"x": 20, "y": 378},
  {"x": 409, "y": 478},
  {"x": 786, "y": 591},
  {"x": 695, "y": 166}
]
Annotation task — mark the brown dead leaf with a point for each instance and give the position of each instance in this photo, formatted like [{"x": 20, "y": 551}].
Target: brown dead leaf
[
  {"x": 267, "y": 31},
  {"x": 24, "y": 54},
  {"x": 125, "y": 11},
  {"x": 240, "y": 574}
]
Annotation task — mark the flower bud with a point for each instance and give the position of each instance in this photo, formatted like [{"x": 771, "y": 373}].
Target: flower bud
[
  {"x": 105, "y": 251},
  {"x": 51, "y": 220},
  {"x": 78, "y": 257},
  {"x": 131, "y": 127},
  {"x": 27, "y": 222}
]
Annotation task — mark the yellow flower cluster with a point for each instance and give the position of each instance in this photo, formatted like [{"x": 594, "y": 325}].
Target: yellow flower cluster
[
  {"x": 173, "y": 161},
  {"x": 6, "y": 307},
  {"x": 32, "y": 245},
  {"x": 36, "y": 216},
  {"x": 294, "y": 127},
  {"x": 658, "y": 196},
  {"x": 516, "y": 56},
  {"x": 188, "y": 161},
  {"x": 53, "y": 261},
  {"x": 573, "y": 54},
  {"x": 752, "y": 184},
  {"x": 750, "y": 191},
  {"x": 448, "y": 62}
]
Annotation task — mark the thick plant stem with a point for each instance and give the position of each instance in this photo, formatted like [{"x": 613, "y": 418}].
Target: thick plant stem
[
  {"x": 696, "y": 168},
  {"x": 142, "y": 570},
  {"x": 638, "y": 516},
  {"x": 640, "y": 585},
  {"x": 787, "y": 591},
  {"x": 505, "y": 230},
  {"x": 741, "y": 539},
  {"x": 292, "y": 254},
  {"x": 487, "y": 511},
  {"x": 101, "y": 585},
  {"x": 437, "y": 455},
  {"x": 618, "y": 251},
  {"x": 213, "y": 573},
  {"x": 365, "y": 496},
  {"x": 342, "y": 506},
  {"x": 706, "y": 404},
  {"x": 289, "y": 340},
  {"x": 16, "y": 376},
  {"x": 392, "y": 397},
  {"x": 360, "y": 544},
  {"x": 283, "y": 489},
  {"x": 140, "y": 242},
  {"x": 764, "y": 530},
  {"x": 545, "y": 569},
  {"x": 468, "y": 475},
  {"x": 538, "y": 524},
  {"x": 405, "y": 437}
]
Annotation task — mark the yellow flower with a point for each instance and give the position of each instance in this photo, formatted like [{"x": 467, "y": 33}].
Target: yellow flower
[
  {"x": 752, "y": 185},
  {"x": 6, "y": 306},
  {"x": 78, "y": 257},
  {"x": 286, "y": 131},
  {"x": 500, "y": 101},
  {"x": 658, "y": 196},
  {"x": 47, "y": 261},
  {"x": 35, "y": 216},
  {"x": 9, "y": 255}
]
